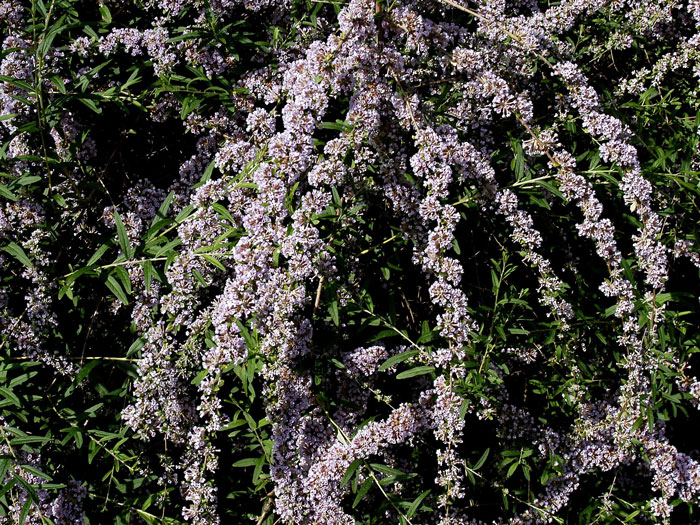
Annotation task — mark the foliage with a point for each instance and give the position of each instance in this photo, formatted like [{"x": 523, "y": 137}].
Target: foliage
[{"x": 294, "y": 261}]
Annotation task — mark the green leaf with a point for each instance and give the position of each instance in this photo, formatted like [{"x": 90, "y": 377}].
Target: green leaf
[
  {"x": 250, "y": 185},
  {"x": 168, "y": 247},
  {"x": 99, "y": 253},
  {"x": 463, "y": 408},
  {"x": 387, "y": 470},
  {"x": 426, "y": 337},
  {"x": 121, "y": 273},
  {"x": 116, "y": 289},
  {"x": 333, "y": 310},
  {"x": 416, "y": 504},
  {"x": 121, "y": 234},
  {"x": 75, "y": 433},
  {"x": 223, "y": 212},
  {"x": 512, "y": 469},
  {"x": 162, "y": 212},
  {"x": 350, "y": 471},
  {"x": 398, "y": 358},
  {"x": 511, "y": 453},
  {"x": 60, "y": 200},
  {"x": 25, "y": 508},
  {"x": 361, "y": 493},
  {"x": 258, "y": 470},
  {"x": 9, "y": 484},
  {"x": 189, "y": 104},
  {"x": 550, "y": 188},
  {"x": 251, "y": 422},
  {"x": 5, "y": 464},
  {"x": 198, "y": 378},
  {"x": 28, "y": 440},
  {"x": 338, "y": 125},
  {"x": 17, "y": 83},
  {"x": 36, "y": 472},
  {"x": 382, "y": 335},
  {"x": 26, "y": 180},
  {"x": 148, "y": 274},
  {"x": 186, "y": 211},
  {"x": 250, "y": 340},
  {"x": 10, "y": 396},
  {"x": 91, "y": 104},
  {"x": 57, "y": 81},
  {"x": 214, "y": 261},
  {"x": 205, "y": 176},
  {"x": 247, "y": 462},
  {"x": 106, "y": 15},
  {"x": 417, "y": 371},
  {"x": 136, "y": 346},
  {"x": 5, "y": 192},
  {"x": 18, "y": 253},
  {"x": 482, "y": 460},
  {"x": 84, "y": 371}
]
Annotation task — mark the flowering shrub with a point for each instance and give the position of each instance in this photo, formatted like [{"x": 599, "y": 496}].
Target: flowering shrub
[{"x": 350, "y": 261}]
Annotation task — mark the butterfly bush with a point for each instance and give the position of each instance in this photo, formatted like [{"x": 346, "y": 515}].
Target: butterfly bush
[{"x": 419, "y": 261}]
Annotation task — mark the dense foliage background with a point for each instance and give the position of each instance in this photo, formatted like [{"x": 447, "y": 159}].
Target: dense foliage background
[{"x": 363, "y": 261}]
